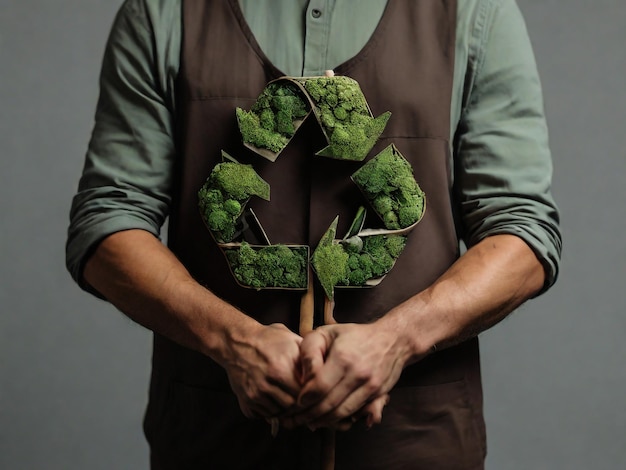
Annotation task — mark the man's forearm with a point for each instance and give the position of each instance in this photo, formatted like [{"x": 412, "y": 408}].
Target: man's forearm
[
  {"x": 142, "y": 278},
  {"x": 480, "y": 289},
  {"x": 349, "y": 366}
]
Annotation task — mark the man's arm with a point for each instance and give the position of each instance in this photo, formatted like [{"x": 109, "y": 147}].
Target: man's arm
[
  {"x": 123, "y": 199},
  {"x": 350, "y": 365},
  {"x": 141, "y": 277},
  {"x": 507, "y": 218}
]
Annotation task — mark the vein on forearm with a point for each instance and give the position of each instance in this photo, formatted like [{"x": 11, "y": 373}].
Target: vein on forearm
[
  {"x": 479, "y": 290},
  {"x": 145, "y": 281}
]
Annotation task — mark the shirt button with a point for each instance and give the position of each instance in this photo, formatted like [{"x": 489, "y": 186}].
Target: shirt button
[{"x": 315, "y": 13}]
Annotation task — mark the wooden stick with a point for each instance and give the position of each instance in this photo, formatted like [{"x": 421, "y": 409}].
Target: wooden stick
[
  {"x": 328, "y": 449},
  {"x": 307, "y": 306},
  {"x": 328, "y": 435},
  {"x": 329, "y": 307}
]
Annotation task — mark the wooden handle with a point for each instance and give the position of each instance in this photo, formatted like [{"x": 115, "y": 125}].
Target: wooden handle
[
  {"x": 328, "y": 435},
  {"x": 328, "y": 449},
  {"x": 307, "y": 305},
  {"x": 329, "y": 307}
]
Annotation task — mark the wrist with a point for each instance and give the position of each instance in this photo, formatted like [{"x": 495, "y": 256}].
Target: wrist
[
  {"x": 416, "y": 331},
  {"x": 236, "y": 331},
  {"x": 214, "y": 326}
]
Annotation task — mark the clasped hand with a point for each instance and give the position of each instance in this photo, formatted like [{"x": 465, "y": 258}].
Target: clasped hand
[{"x": 332, "y": 377}]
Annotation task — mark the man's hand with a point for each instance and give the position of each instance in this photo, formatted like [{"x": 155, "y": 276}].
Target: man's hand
[
  {"x": 348, "y": 371},
  {"x": 263, "y": 371},
  {"x": 149, "y": 284}
]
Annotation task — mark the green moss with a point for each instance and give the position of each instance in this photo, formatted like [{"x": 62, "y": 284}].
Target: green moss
[
  {"x": 388, "y": 183},
  {"x": 255, "y": 134},
  {"x": 343, "y": 113},
  {"x": 408, "y": 215},
  {"x": 390, "y": 219},
  {"x": 232, "y": 207},
  {"x": 353, "y": 264},
  {"x": 340, "y": 113},
  {"x": 373, "y": 243},
  {"x": 331, "y": 265},
  {"x": 210, "y": 196},
  {"x": 221, "y": 199},
  {"x": 267, "y": 120},
  {"x": 357, "y": 277},
  {"x": 270, "y": 123},
  {"x": 238, "y": 181},
  {"x": 381, "y": 260},
  {"x": 247, "y": 254},
  {"x": 375, "y": 259},
  {"x": 395, "y": 244},
  {"x": 327, "y": 119},
  {"x": 382, "y": 203},
  {"x": 218, "y": 220},
  {"x": 276, "y": 266},
  {"x": 284, "y": 124}
]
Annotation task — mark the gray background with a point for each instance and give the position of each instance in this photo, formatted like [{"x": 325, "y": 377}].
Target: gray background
[{"x": 73, "y": 372}]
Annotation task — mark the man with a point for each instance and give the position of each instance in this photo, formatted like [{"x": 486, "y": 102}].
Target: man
[{"x": 460, "y": 81}]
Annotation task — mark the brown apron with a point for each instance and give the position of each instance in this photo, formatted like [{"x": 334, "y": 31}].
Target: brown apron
[{"x": 434, "y": 419}]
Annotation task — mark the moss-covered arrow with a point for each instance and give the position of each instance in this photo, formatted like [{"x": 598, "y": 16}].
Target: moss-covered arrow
[
  {"x": 338, "y": 104},
  {"x": 345, "y": 117},
  {"x": 224, "y": 195}
]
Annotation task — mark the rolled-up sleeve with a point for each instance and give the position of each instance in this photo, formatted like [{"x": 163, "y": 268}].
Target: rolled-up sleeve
[
  {"x": 502, "y": 161},
  {"x": 127, "y": 177}
]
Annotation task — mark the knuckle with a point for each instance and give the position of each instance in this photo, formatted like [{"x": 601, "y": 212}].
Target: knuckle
[
  {"x": 362, "y": 373},
  {"x": 256, "y": 394},
  {"x": 322, "y": 387},
  {"x": 253, "y": 395},
  {"x": 263, "y": 390},
  {"x": 322, "y": 410},
  {"x": 374, "y": 383},
  {"x": 274, "y": 372},
  {"x": 342, "y": 413},
  {"x": 328, "y": 406}
]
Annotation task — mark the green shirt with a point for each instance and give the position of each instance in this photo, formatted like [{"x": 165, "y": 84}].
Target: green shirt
[{"x": 499, "y": 142}]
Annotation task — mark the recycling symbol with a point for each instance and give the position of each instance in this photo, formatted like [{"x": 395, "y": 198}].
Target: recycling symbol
[{"x": 364, "y": 256}]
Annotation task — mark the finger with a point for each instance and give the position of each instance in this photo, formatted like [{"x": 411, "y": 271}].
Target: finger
[
  {"x": 373, "y": 411},
  {"x": 268, "y": 401},
  {"x": 361, "y": 395},
  {"x": 286, "y": 381},
  {"x": 280, "y": 398},
  {"x": 333, "y": 386},
  {"x": 308, "y": 403},
  {"x": 312, "y": 353},
  {"x": 284, "y": 369},
  {"x": 258, "y": 409},
  {"x": 326, "y": 381}
]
